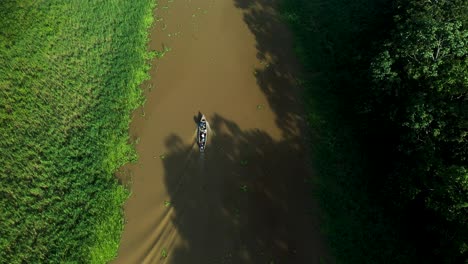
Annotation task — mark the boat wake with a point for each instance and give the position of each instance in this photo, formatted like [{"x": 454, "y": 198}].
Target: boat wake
[{"x": 201, "y": 162}]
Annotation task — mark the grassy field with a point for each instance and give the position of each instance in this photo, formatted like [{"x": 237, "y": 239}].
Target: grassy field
[{"x": 69, "y": 78}]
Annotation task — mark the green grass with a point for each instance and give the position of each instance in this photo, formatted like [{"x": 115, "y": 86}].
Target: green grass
[{"x": 69, "y": 79}]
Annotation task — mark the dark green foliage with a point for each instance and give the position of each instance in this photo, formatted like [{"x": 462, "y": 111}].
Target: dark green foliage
[
  {"x": 386, "y": 89},
  {"x": 69, "y": 76},
  {"x": 333, "y": 41},
  {"x": 423, "y": 72}
]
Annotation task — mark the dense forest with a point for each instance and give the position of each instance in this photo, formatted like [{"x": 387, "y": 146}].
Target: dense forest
[
  {"x": 387, "y": 91},
  {"x": 421, "y": 92},
  {"x": 69, "y": 79}
]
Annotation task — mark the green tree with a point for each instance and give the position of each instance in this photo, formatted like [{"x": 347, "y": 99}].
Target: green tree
[{"x": 423, "y": 71}]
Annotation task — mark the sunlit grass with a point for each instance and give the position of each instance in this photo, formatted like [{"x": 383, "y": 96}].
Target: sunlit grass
[{"x": 69, "y": 78}]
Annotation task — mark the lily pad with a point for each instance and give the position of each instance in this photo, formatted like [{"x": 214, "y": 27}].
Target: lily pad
[
  {"x": 162, "y": 156},
  {"x": 167, "y": 203},
  {"x": 244, "y": 188},
  {"x": 260, "y": 106},
  {"x": 164, "y": 253}
]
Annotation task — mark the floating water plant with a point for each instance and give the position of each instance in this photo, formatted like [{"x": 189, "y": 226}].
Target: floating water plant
[
  {"x": 244, "y": 188},
  {"x": 174, "y": 34},
  {"x": 160, "y": 54},
  {"x": 164, "y": 253}
]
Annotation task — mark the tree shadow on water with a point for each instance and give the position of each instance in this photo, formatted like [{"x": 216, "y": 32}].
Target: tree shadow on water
[
  {"x": 278, "y": 74},
  {"x": 241, "y": 201},
  {"x": 246, "y": 200}
]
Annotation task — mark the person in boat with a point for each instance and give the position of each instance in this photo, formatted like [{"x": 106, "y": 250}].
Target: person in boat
[{"x": 203, "y": 138}]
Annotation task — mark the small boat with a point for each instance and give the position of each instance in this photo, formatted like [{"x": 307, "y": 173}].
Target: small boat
[{"x": 202, "y": 133}]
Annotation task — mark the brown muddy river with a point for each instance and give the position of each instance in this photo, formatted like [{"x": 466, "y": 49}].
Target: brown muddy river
[{"x": 244, "y": 200}]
